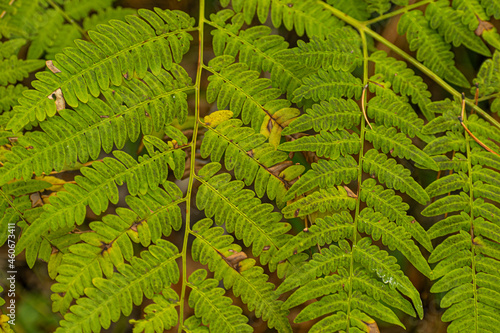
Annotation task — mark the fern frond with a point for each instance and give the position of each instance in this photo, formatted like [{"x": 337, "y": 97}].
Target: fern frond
[
  {"x": 395, "y": 237},
  {"x": 327, "y": 144},
  {"x": 451, "y": 141},
  {"x": 430, "y": 47},
  {"x": 328, "y": 83},
  {"x": 120, "y": 49},
  {"x": 248, "y": 281},
  {"x": 323, "y": 200},
  {"x": 78, "y": 9},
  {"x": 341, "y": 49},
  {"x": 393, "y": 175},
  {"x": 152, "y": 216},
  {"x": 492, "y": 8},
  {"x": 79, "y": 134},
  {"x": 148, "y": 275},
  {"x": 257, "y": 48},
  {"x": 449, "y": 24},
  {"x": 324, "y": 174},
  {"x": 302, "y": 15},
  {"x": 253, "y": 160},
  {"x": 392, "y": 206},
  {"x": 106, "y": 15},
  {"x": 389, "y": 140},
  {"x": 403, "y": 80},
  {"x": 325, "y": 230},
  {"x": 216, "y": 310},
  {"x": 328, "y": 116},
  {"x": 391, "y": 110},
  {"x": 241, "y": 89},
  {"x": 470, "y": 10},
  {"x": 161, "y": 315},
  {"x": 488, "y": 76},
  {"x": 14, "y": 69},
  {"x": 355, "y": 9},
  {"x": 243, "y": 215},
  {"x": 96, "y": 189},
  {"x": 11, "y": 47}
]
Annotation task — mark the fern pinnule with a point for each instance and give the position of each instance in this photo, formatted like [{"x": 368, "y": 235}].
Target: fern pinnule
[{"x": 160, "y": 315}]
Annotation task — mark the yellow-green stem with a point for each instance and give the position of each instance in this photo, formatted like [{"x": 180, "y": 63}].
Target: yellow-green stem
[{"x": 189, "y": 193}]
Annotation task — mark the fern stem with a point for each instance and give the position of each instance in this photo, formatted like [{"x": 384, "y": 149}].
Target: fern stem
[
  {"x": 471, "y": 203},
  {"x": 397, "y": 12},
  {"x": 360, "y": 26},
  {"x": 69, "y": 19},
  {"x": 187, "y": 231}
]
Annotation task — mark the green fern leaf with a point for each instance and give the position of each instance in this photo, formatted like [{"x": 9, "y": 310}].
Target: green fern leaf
[
  {"x": 326, "y": 116},
  {"x": 327, "y": 144},
  {"x": 251, "y": 158},
  {"x": 96, "y": 189},
  {"x": 403, "y": 80},
  {"x": 391, "y": 110},
  {"x": 243, "y": 215},
  {"x": 376, "y": 225},
  {"x": 355, "y": 9},
  {"x": 470, "y": 10},
  {"x": 379, "y": 262},
  {"x": 161, "y": 315},
  {"x": 389, "y": 140},
  {"x": 488, "y": 79},
  {"x": 444, "y": 144},
  {"x": 11, "y": 47},
  {"x": 447, "y": 184},
  {"x": 449, "y": 24},
  {"x": 234, "y": 85},
  {"x": 393, "y": 175},
  {"x": 431, "y": 49},
  {"x": 324, "y": 200},
  {"x": 14, "y": 69},
  {"x": 212, "y": 247},
  {"x": 328, "y": 83},
  {"x": 302, "y": 15},
  {"x": 324, "y": 174},
  {"x": 331, "y": 228},
  {"x": 9, "y": 96},
  {"x": 392, "y": 206},
  {"x": 106, "y": 15},
  {"x": 341, "y": 49},
  {"x": 81, "y": 133},
  {"x": 492, "y": 7},
  {"x": 256, "y": 48},
  {"x": 144, "y": 276},
  {"x": 89, "y": 68},
  {"x": 216, "y": 310}
]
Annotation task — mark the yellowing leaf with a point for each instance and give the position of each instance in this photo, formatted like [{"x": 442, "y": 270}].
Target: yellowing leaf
[{"x": 218, "y": 117}]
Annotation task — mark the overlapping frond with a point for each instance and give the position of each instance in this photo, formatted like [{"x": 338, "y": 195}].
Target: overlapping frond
[
  {"x": 96, "y": 189},
  {"x": 430, "y": 46},
  {"x": 242, "y": 214},
  {"x": 468, "y": 199},
  {"x": 301, "y": 15},
  {"x": 253, "y": 160},
  {"x": 109, "y": 298},
  {"x": 449, "y": 24},
  {"x": 257, "y": 48},
  {"x": 235, "y": 86},
  {"x": 215, "y": 309},
  {"x": 160, "y": 315},
  {"x": 121, "y": 49},
  {"x": 139, "y": 106},
  {"x": 213, "y": 248},
  {"x": 403, "y": 80}
]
